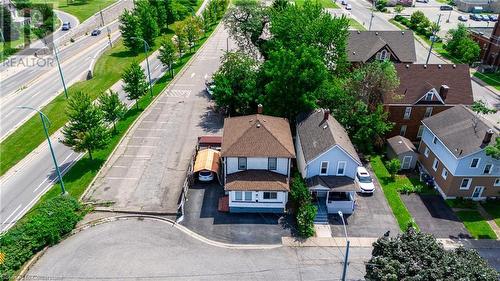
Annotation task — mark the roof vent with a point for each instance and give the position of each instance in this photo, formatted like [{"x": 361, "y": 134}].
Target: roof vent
[
  {"x": 454, "y": 66},
  {"x": 407, "y": 66},
  {"x": 402, "y": 33},
  {"x": 376, "y": 32},
  {"x": 353, "y": 53},
  {"x": 325, "y": 126},
  {"x": 439, "y": 66},
  {"x": 400, "y": 142},
  {"x": 425, "y": 65},
  {"x": 258, "y": 125}
]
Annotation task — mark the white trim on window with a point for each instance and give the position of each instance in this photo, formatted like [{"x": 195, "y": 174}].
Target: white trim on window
[
  {"x": 273, "y": 195},
  {"x": 435, "y": 164},
  {"x": 489, "y": 170},
  {"x": 238, "y": 196},
  {"x": 428, "y": 112},
  {"x": 248, "y": 195},
  {"x": 407, "y": 113},
  {"x": 402, "y": 130},
  {"x": 477, "y": 163},
  {"x": 496, "y": 182},
  {"x": 420, "y": 131},
  {"x": 321, "y": 167},
  {"x": 444, "y": 173},
  {"x": 242, "y": 166},
  {"x": 467, "y": 186},
  {"x": 344, "y": 166},
  {"x": 429, "y": 96},
  {"x": 272, "y": 163},
  {"x": 426, "y": 152}
]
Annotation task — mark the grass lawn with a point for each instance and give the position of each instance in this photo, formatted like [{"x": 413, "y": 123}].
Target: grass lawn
[
  {"x": 323, "y": 3},
  {"x": 356, "y": 25},
  {"x": 461, "y": 204},
  {"x": 476, "y": 225},
  {"x": 398, "y": 25},
  {"x": 493, "y": 208},
  {"x": 492, "y": 79},
  {"x": 82, "y": 9},
  {"x": 390, "y": 189}
]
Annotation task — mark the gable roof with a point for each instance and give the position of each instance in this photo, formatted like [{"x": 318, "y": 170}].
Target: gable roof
[
  {"x": 401, "y": 145},
  {"x": 257, "y": 136},
  {"x": 318, "y": 136},
  {"x": 415, "y": 80},
  {"x": 454, "y": 127},
  {"x": 362, "y": 45}
]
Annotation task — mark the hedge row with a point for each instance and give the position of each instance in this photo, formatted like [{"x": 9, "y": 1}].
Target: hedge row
[
  {"x": 417, "y": 29},
  {"x": 52, "y": 220}
]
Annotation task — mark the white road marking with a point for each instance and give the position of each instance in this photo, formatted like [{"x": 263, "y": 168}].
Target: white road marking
[
  {"x": 156, "y": 67},
  {"x": 206, "y": 76},
  {"x": 34, "y": 190},
  {"x": 193, "y": 74},
  {"x": 7, "y": 219}
]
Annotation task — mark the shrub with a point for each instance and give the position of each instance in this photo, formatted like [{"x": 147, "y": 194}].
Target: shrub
[
  {"x": 393, "y": 166},
  {"x": 44, "y": 226},
  {"x": 299, "y": 192},
  {"x": 408, "y": 188},
  {"x": 305, "y": 220}
]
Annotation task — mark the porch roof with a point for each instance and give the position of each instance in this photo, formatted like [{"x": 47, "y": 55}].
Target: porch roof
[
  {"x": 334, "y": 183},
  {"x": 256, "y": 180}
]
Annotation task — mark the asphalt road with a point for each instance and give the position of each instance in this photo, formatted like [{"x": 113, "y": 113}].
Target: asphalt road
[
  {"x": 153, "y": 250},
  {"x": 147, "y": 171}
]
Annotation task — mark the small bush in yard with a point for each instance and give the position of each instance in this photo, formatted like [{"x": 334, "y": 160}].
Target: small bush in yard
[
  {"x": 393, "y": 166},
  {"x": 299, "y": 192},
  {"x": 45, "y": 226},
  {"x": 305, "y": 220},
  {"x": 410, "y": 188}
]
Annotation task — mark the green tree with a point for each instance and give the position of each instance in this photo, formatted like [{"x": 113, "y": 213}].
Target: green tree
[
  {"x": 193, "y": 30},
  {"x": 85, "y": 130},
  {"x": 169, "y": 12},
  {"x": 134, "y": 82},
  {"x": 10, "y": 33},
  {"x": 206, "y": 21},
  {"x": 479, "y": 107},
  {"x": 418, "y": 256},
  {"x": 292, "y": 81},
  {"x": 381, "y": 5},
  {"x": 393, "y": 166},
  {"x": 167, "y": 55},
  {"x": 130, "y": 28},
  {"x": 236, "y": 84},
  {"x": 112, "y": 107},
  {"x": 305, "y": 220},
  {"x": 180, "y": 38},
  {"x": 418, "y": 18},
  {"x": 160, "y": 12},
  {"x": 469, "y": 51},
  {"x": 399, "y": 9},
  {"x": 147, "y": 22},
  {"x": 494, "y": 150},
  {"x": 461, "y": 46},
  {"x": 299, "y": 193}
]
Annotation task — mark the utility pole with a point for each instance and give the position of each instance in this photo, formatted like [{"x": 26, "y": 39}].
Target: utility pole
[
  {"x": 371, "y": 17},
  {"x": 449, "y": 15},
  {"x": 102, "y": 18},
  {"x": 348, "y": 243},
  {"x": 60, "y": 71},
  {"x": 433, "y": 39},
  {"x": 109, "y": 37},
  {"x": 146, "y": 48}
]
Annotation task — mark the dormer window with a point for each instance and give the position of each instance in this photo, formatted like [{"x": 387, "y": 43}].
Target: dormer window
[{"x": 428, "y": 96}]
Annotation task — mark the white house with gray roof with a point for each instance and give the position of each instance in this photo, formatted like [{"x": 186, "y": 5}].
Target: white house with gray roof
[{"x": 327, "y": 161}]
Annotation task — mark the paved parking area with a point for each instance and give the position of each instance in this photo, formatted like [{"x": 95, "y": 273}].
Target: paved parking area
[
  {"x": 146, "y": 172},
  {"x": 372, "y": 217},
  {"x": 433, "y": 216},
  {"x": 201, "y": 216}
]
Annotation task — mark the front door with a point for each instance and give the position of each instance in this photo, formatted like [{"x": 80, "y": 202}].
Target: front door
[
  {"x": 478, "y": 191},
  {"x": 406, "y": 162}
]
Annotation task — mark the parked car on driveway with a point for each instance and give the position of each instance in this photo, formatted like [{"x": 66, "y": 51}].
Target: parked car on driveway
[
  {"x": 66, "y": 26},
  {"x": 205, "y": 176},
  {"x": 462, "y": 18},
  {"x": 484, "y": 17},
  {"x": 348, "y": 7},
  {"x": 493, "y": 17},
  {"x": 95, "y": 32},
  {"x": 344, "y": 2},
  {"x": 446, "y": 8},
  {"x": 364, "y": 181},
  {"x": 475, "y": 17}
]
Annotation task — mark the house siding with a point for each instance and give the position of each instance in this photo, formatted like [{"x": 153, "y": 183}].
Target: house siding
[
  {"x": 333, "y": 156},
  {"x": 256, "y": 163},
  {"x": 439, "y": 150},
  {"x": 301, "y": 163},
  {"x": 396, "y": 115},
  {"x": 258, "y": 204},
  {"x": 463, "y": 167}
]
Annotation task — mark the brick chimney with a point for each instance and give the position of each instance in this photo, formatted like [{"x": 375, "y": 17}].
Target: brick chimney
[
  {"x": 259, "y": 108},
  {"x": 487, "y": 136},
  {"x": 443, "y": 92},
  {"x": 326, "y": 114}
]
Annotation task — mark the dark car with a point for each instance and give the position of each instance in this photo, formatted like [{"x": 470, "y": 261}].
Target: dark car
[
  {"x": 475, "y": 17},
  {"x": 95, "y": 32},
  {"x": 493, "y": 17},
  {"x": 446, "y": 8},
  {"x": 66, "y": 26}
]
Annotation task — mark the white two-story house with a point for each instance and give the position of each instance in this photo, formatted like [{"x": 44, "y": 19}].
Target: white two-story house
[
  {"x": 453, "y": 152},
  {"x": 257, "y": 151},
  {"x": 327, "y": 161}
]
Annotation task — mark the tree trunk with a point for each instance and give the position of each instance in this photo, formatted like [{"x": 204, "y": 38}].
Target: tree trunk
[{"x": 90, "y": 155}]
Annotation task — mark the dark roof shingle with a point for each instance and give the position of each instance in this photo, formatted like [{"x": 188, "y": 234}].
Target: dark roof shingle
[
  {"x": 415, "y": 80},
  {"x": 455, "y": 128},
  {"x": 257, "y": 136},
  {"x": 401, "y": 145},
  {"x": 362, "y": 45},
  {"x": 317, "y": 136}
]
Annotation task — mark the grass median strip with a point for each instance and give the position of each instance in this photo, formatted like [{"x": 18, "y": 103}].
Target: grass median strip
[
  {"x": 390, "y": 188},
  {"x": 476, "y": 224},
  {"x": 492, "y": 79},
  {"x": 324, "y": 3},
  {"x": 356, "y": 25}
]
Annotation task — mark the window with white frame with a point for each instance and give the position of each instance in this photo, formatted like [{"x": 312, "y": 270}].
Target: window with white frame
[
  {"x": 428, "y": 96},
  {"x": 242, "y": 163},
  {"x": 402, "y": 130},
  {"x": 474, "y": 163},
  {"x": 248, "y": 196},
  {"x": 434, "y": 140},
  {"x": 428, "y": 112},
  {"x": 420, "y": 131},
  {"x": 435, "y": 165},
  {"x": 272, "y": 163},
  {"x": 444, "y": 173},
  {"x": 497, "y": 182},
  {"x": 324, "y": 168},
  {"x": 487, "y": 169},
  {"x": 270, "y": 195},
  {"x": 238, "y": 196},
  {"x": 465, "y": 184},
  {"x": 426, "y": 152},
  {"x": 341, "y": 168},
  {"x": 407, "y": 112}
]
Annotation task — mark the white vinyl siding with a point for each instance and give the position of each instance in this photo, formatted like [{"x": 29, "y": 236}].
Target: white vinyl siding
[{"x": 256, "y": 163}]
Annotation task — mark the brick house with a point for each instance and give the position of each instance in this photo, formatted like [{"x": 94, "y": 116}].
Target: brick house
[
  {"x": 489, "y": 40},
  {"x": 452, "y": 150},
  {"x": 425, "y": 90}
]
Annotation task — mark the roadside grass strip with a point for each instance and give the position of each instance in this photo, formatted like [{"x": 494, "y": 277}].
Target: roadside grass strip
[
  {"x": 476, "y": 224},
  {"x": 79, "y": 8},
  {"x": 356, "y": 25},
  {"x": 493, "y": 208},
  {"x": 390, "y": 188},
  {"x": 324, "y": 3},
  {"x": 492, "y": 79}
]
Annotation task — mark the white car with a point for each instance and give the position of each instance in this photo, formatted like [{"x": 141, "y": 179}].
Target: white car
[
  {"x": 205, "y": 176},
  {"x": 344, "y": 2},
  {"x": 348, "y": 7},
  {"x": 364, "y": 181}
]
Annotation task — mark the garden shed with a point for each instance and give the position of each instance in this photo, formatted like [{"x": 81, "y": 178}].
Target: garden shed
[{"x": 403, "y": 149}]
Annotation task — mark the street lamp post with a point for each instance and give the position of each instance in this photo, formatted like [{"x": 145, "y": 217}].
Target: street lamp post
[
  {"x": 346, "y": 257},
  {"x": 45, "y": 118},
  {"x": 60, "y": 71},
  {"x": 433, "y": 39},
  {"x": 146, "y": 48}
]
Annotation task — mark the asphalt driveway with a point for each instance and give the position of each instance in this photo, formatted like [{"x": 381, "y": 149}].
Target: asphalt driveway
[
  {"x": 433, "y": 216},
  {"x": 201, "y": 216},
  {"x": 372, "y": 216}
]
